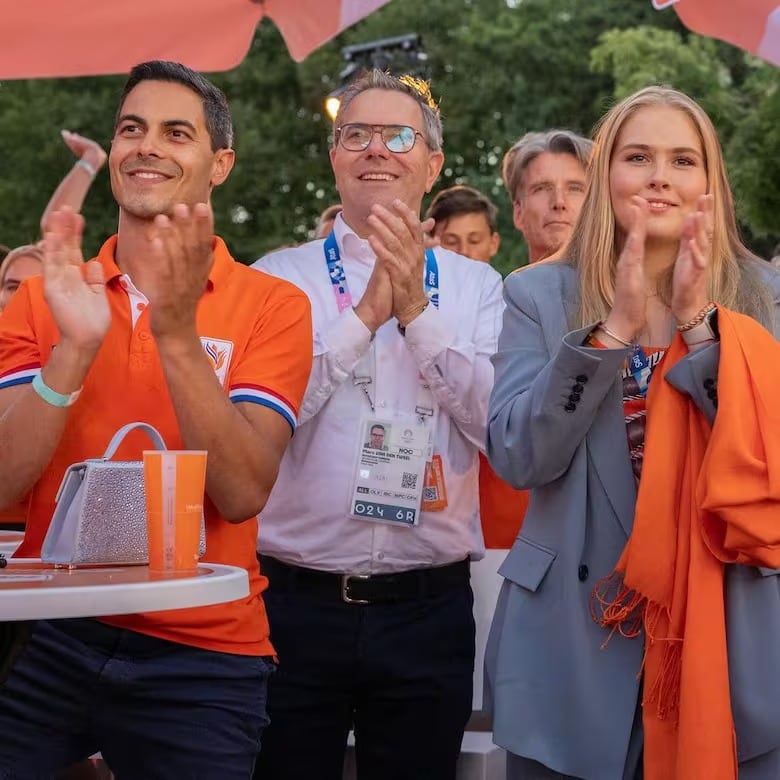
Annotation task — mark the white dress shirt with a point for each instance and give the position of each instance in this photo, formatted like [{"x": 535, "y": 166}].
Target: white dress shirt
[{"x": 306, "y": 520}]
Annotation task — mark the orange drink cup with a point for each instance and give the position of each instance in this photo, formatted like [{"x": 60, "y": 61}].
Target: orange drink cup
[{"x": 175, "y": 482}]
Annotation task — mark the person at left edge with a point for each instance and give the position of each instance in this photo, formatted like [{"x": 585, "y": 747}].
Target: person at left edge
[
  {"x": 165, "y": 327},
  {"x": 373, "y": 621}
]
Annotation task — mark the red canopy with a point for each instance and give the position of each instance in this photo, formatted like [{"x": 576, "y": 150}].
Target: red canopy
[
  {"x": 754, "y": 25},
  {"x": 84, "y": 37},
  {"x": 44, "y": 38}
]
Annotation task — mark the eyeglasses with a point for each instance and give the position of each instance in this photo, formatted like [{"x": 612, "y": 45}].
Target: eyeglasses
[{"x": 399, "y": 139}]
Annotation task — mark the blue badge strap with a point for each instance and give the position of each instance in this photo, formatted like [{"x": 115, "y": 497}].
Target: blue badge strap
[
  {"x": 338, "y": 279},
  {"x": 425, "y": 405},
  {"x": 432, "y": 278},
  {"x": 639, "y": 367}
]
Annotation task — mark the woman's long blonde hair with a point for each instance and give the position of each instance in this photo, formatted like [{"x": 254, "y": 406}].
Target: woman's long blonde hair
[
  {"x": 595, "y": 242},
  {"x": 28, "y": 250}
]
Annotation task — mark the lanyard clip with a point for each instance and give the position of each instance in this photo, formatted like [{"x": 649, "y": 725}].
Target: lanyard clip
[{"x": 361, "y": 381}]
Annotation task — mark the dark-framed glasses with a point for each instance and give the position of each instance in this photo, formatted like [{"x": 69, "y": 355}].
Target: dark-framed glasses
[{"x": 399, "y": 139}]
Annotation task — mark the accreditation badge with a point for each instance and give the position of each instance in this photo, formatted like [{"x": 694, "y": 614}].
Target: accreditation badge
[{"x": 390, "y": 470}]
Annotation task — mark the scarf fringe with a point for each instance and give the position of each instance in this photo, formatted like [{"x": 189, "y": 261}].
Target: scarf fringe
[
  {"x": 617, "y": 607},
  {"x": 664, "y": 691},
  {"x": 625, "y": 611}
]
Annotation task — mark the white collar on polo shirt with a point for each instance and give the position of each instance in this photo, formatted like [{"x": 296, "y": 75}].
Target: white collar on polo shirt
[{"x": 351, "y": 244}]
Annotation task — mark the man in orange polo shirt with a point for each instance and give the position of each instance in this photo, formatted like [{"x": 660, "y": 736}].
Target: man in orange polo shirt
[{"x": 164, "y": 327}]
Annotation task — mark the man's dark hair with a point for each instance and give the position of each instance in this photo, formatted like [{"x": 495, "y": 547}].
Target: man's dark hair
[
  {"x": 460, "y": 199},
  {"x": 219, "y": 123},
  {"x": 377, "y": 426}
]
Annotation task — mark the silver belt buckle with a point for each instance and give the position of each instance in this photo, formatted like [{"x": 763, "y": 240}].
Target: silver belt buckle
[{"x": 345, "y": 597}]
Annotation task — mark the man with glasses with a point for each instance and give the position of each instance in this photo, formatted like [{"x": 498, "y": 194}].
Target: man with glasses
[
  {"x": 376, "y": 438},
  {"x": 367, "y": 551}
]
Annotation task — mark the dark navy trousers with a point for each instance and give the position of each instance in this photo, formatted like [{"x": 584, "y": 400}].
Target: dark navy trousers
[
  {"x": 154, "y": 709},
  {"x": 400, "y": 673}
]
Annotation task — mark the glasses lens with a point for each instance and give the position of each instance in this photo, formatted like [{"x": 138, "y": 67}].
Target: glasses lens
[
  {"x": 398, "y": 138},
  {"x": 355, "y": 137}
]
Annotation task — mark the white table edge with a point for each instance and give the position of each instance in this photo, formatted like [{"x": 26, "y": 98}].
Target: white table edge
[{"x": 227, "y": 583}]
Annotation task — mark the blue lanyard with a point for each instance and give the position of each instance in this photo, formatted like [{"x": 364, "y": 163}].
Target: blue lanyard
[
  {"x": 639, "y": 368},
  {"x": 338, "y": 278}
]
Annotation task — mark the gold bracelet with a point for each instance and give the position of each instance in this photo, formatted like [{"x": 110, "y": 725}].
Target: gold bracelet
[
  {"x": 612, "y": 335},
  {"x": 698, "y": 319}
]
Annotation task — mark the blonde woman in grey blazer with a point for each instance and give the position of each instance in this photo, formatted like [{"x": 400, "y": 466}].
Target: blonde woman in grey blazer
[{"x": 655, "y": 241}]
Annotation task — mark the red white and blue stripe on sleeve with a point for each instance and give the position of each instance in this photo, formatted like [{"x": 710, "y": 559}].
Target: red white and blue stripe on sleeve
[
  {"x": 265, "y": 397},
  {"x": 21, "y": 375}
]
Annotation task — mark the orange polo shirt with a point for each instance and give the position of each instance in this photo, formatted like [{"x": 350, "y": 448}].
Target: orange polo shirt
[
  {"x": 15, "y": 514},
  {"x": 256, "y": 330},
  {"x": 501, "y": 508}
]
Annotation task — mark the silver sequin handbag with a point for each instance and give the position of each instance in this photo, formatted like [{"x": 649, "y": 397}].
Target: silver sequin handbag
[{"x": 100, "y": 515}]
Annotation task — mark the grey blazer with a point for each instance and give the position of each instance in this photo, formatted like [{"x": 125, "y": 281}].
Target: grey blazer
[{"x": 559, "y": 694}]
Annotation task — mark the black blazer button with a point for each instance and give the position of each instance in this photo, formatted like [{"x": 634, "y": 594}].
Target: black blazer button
[
  {"x": 712, "y": 394},
  {"x": 581, "y": 378},
  {"x": 574, "y": 397},
  {"x": 708, "y": 383},
  {"x": 578, "y": 388},
  {"x": 570, "y": 407},
  {"x": 582, "y": 572}
]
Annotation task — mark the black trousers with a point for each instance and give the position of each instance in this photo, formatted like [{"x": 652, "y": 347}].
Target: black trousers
[{"x": 399, "y": 673}]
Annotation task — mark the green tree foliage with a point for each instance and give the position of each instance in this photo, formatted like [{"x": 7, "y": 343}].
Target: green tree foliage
[
  {"x": 32, "y": 113},
  {"x": 754, "y": 156},
  {"x": 498, "y": 67},
  {"x": 644, "y": 55}
]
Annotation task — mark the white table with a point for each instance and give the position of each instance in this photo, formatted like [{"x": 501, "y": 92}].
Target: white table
[
  {"x": 9, "y": 541},
  {"x": 31, "y": 590}
]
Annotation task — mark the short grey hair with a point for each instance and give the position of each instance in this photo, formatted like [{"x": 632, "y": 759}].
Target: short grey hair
[
  {"x": 531, "y": 145},
  {"x": 416, "y": 88}
]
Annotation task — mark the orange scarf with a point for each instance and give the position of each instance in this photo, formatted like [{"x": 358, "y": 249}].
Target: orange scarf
[{"x": 706, "y": 497}]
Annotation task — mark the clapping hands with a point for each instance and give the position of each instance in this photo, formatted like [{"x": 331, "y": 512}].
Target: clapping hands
[
  {"x": 692, "y": 268},
  {"x": 690, "y": 286},
  {"x": 74, "y": 290}
]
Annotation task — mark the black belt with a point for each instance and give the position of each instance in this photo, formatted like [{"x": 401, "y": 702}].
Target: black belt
[{"x": 366, "y": 588}]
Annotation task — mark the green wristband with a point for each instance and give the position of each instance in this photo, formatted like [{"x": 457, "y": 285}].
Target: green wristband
[
  {"x": 90, "y": 169},
  {"x": 52, "y": 396}
]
